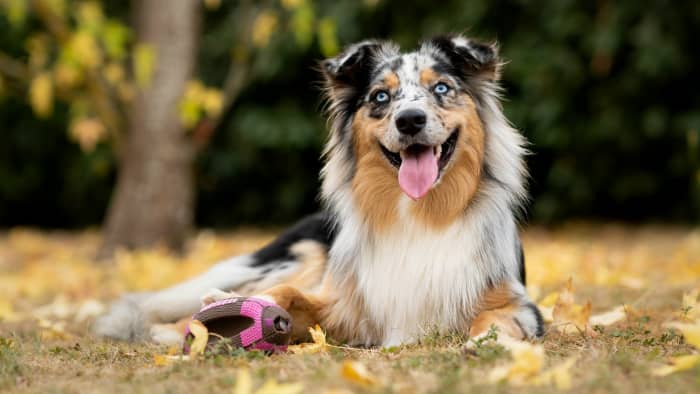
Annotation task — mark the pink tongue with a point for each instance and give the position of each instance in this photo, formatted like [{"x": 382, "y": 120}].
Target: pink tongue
[{"x": 418, "y": 172}]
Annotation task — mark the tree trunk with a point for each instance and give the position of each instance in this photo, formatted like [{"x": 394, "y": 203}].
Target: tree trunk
[{"x": 153, "y": 201}]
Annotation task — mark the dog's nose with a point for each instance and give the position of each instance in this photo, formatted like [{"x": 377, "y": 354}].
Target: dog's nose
[{"x": 410, "y": 121}]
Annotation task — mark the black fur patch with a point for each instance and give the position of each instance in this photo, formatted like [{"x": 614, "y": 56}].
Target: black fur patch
[
  {"x": 466, "y": 61},
  {"x": 521, "y": 259},
  {"x": 316, "y": 227},
  {"x": 538, "y": 316}
]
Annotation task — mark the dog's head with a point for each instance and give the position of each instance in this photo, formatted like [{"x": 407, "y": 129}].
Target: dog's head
[{"x": 411, "y": 124}]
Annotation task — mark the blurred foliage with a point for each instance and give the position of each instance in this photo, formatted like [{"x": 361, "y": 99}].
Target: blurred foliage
[{"x": 603, "y": 90}]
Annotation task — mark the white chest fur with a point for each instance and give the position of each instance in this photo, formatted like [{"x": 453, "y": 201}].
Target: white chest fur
[{"x": 414, "y": 279}]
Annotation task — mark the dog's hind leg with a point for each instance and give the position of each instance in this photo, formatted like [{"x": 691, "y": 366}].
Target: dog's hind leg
[
  {"x": 130, "y": 317},
  {"x": 297, "y": 256}
]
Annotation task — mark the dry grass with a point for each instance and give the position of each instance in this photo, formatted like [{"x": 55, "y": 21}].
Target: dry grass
[{"x": 648, "y": 268}]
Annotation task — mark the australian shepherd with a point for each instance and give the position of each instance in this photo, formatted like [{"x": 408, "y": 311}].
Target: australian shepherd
[{"x": 422, "y": 185}]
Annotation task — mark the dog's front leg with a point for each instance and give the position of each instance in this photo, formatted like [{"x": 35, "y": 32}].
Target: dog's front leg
[{"x": 507, "y": 308}]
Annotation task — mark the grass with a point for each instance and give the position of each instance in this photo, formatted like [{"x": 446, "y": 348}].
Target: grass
[{"x": 648, "y": 268}]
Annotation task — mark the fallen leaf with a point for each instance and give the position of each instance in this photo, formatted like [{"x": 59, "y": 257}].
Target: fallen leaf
[
  {"x": 691, "y": 332},
  {"x": 244, "y": 383},
  {"x": 608, "y": 318},
  {"x": 272, "y": 387},
  {"x": 162, "y": 360},
  {"x": 691, "y": 305},
  {"x": 201, "y": 337},
  {"x": 357, "y": 373},
  {"x": 569, "y": 317},
  {"x": 526, "y": 364},
  {"x": 7, "y": 312},
  {"x": 319, "y": 343},
  {"x": 680, "y": 363},
  {"x": 560, "y": 375},
  {"x": 53, "y": 330}
]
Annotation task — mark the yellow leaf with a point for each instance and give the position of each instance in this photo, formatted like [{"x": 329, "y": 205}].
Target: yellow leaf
[
  {"x": 67, "y": 75},
  {"x": 691, "y": 332},
  {"x": 144, "y": 64},
  {"x": 53, "y": 330},
  {"x": 608, "y": 318},
  {"x": 691, "y": 305},
  {"x": 90, "y": 15},
  {"x": 212, "y": 102},
  {"x": 327, "y": 37},
  {"x": 87, "y": 132},
  {"x": 272, "y": 387},
  {"x": 7, "y": 312},
  {"x": 318, "y": 336},
  {"x": 244, "y": 383},
  {"x": 568, "y": 316},
  {"x": 527, "y": 360},
  {"x": 41, "y": 95},
  {"x": 302, "y": 25},
  {"x": 114, "y": 73},
  {"x": 319, "y": 343},
  {"x": 16, "y": 11},
  {"x": 526, "y": 364},
  {"x": 263, "y": 27},
  {"x": 85, "y": 49},
  {"x": 550, "y": 299},
  {"x": 559, "y": 375},
  {"x": 115, "y": 37},
  {"x": 680, "y": 363},
  {"x": 357, "y": 373},
  {"x": 160, "y": 360},
  {"x": 201, "y": 337}
]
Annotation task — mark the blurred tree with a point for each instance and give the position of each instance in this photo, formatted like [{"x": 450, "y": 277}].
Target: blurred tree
[
  {"x": 135, "y": 91},
  {"x": 153, "y": 198}
]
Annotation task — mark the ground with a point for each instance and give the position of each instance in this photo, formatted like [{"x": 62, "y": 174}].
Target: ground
[{"x": 52, "y": 290}]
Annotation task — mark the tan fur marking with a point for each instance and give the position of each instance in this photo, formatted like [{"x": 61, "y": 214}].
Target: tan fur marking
[
  {"x": 428, "y": 76},
  {"x": 498, "y": 307},
  {"x": 459, "y": 182},
  {"x": 312, "y": 256},
  {"x": 501, "y": 318},
  {"x": 375, "y": 185},
  {"x": 391, "y": 80},
  {"x": 304, "y": 308}
]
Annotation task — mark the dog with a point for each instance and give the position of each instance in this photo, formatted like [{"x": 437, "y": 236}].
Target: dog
[{"x": 422, "y": 188}]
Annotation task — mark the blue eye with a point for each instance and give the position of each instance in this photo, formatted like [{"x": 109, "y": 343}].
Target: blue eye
[
  {"x": 441, "y": 88},
  {"x": 381, "y": 97}
]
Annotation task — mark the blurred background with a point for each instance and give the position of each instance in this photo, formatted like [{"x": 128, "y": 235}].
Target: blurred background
[{"x": 154, "y": 117}]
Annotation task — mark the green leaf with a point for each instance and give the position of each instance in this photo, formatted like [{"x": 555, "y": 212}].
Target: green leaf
[
  {"x": 16, "y": 12},
  {"x": 144, "y": 64},
  {"x": 115, "y": 37},
  {"x": 327, "y": 38},
  {"x": 303, "y": 24}
]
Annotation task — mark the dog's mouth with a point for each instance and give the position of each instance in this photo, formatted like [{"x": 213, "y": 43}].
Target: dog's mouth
[{"x": 420, "y": 166}]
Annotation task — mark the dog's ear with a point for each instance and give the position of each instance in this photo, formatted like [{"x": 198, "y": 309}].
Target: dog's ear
[
  {"x": 469, "y": 58},
  {"x": 352, "y": 67}
]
